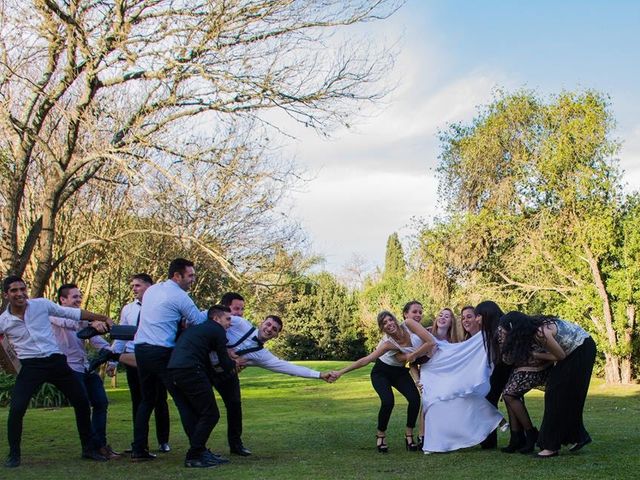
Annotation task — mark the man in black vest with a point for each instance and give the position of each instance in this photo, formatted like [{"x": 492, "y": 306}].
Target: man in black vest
[{"x": 191, "y": 372}]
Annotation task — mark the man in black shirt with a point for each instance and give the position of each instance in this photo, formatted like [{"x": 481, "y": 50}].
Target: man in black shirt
[{"x": 191, "y": 372}]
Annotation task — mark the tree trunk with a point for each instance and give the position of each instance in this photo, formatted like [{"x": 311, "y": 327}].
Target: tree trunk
[
  {"x": 626, "y": 365},
  {"x": 612, "y": 367},
  {"x": 45, "y": 252}
]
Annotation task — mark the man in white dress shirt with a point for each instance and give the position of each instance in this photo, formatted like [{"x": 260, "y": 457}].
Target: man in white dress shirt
[
  {"x": 166, "y": 306},
  {"x": 26, "y": 324},
  {"x": 130, "y": 315},
  {"x": 247, "y": 342}
]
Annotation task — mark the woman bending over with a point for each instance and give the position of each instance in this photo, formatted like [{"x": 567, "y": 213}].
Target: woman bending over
[{"x": 574, "y": 352}]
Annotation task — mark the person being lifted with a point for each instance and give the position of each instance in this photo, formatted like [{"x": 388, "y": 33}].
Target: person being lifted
[{"x": 246, "y": 343}]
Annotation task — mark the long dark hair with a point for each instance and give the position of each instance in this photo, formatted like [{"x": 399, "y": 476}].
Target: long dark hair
[
  {"x": 521, "y": 331},
  {"x": 490, "y": 313}
]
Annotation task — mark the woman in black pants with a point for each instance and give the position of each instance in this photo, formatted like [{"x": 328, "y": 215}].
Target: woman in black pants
[
  {"x": 489, "y": 314},
  {"x": 389, "y": 372},
  {"x": 574, "y": 352}
]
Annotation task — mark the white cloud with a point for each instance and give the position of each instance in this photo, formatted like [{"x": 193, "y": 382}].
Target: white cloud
[
  {"x": 346, "y": 211},
  {"x": 369, "y": 184},
  {"x": 630, "y": 158}
]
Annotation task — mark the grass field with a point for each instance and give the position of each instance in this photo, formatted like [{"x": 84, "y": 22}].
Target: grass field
[{"x": 306, "y": 429}]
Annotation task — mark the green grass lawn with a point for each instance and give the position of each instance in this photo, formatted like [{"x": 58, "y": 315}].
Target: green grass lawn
[{"x": 306, "y": 429}]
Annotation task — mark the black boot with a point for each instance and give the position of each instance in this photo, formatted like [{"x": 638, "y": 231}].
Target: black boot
[
  {"x": 531, "y": 437},
  {"x": 516, "y": 442}
]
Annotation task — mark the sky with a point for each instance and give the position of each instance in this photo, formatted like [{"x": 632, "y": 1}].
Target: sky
[{"x": 378, "y": 177}]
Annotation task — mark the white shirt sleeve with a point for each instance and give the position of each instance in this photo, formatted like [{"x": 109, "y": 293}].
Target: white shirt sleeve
[
  {"x": 265, "y": 359},
  {"x": 190, "y": 311},
  {"x": 64, "y": 323},
  {"x": 56, "y": 310},
  {"x": 99, "y": 342}
]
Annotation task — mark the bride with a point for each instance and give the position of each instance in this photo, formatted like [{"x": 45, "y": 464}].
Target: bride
[{"x": 455, "y": 382}]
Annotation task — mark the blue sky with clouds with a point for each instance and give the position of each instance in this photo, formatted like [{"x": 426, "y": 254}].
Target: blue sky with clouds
[{"x": 374, "y": 179}]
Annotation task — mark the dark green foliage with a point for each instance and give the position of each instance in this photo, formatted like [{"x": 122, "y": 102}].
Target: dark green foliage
[
  {"x": 395, "y": 265},
  {"x": 321, "y": 322}
]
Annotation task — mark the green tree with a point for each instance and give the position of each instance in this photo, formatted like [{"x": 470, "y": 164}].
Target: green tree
[
  {"x": 322, "y": 321},
  {"x": 395, "y": 265},
  {"x": 537, "y": 188}
]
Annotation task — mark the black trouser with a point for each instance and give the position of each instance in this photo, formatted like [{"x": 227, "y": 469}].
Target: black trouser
[
  {"x": 383, "y": 378},
  {"x": 196, "y": 387},
  {"x": 160, "y": 409},
  {"x": 54, "y": 370},
  {"x": 229, "y": 390},
  {"x": 152, "y": 363},
  {"x": 498, "y": 380}
]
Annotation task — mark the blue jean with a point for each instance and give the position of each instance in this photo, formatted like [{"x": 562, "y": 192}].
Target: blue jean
[{"x": 94, "y": 390}]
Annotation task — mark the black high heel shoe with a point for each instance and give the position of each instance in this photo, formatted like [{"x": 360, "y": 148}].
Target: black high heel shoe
[
  {"x": 381, "y": 444},
  {"x": 410, "y": 445}
]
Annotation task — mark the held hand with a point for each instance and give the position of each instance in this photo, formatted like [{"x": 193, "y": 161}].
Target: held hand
[
  {"x": 106, "y": 321},
  {"x": 232, "y": 354},
  {"x": 328, "y": 377},
  {"x": 404, "y": 357},
  {"x": 100, "y": 326},
  {"x": 241, "y": 363}
]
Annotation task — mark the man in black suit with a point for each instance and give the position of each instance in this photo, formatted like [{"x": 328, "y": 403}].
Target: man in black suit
[{"x": 191, "y": 372}]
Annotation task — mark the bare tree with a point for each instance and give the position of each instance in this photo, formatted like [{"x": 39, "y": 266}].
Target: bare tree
[{"x": 163, "y": 98}]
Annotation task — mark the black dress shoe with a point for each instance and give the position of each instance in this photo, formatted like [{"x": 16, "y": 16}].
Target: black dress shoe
[
  {"x": 103, "y": 356},
  {"x": 199, "y": 462},
  {"x": 240, "y": 450},
  {"x": 86, "y": 333},
  {"x": 164, "y": 448},
  {"x": 579, "y": 445},
  {"x": 109, "y": 453},
  {"x": 142, "y": 456},
  {"x": 12, "y": 461},
  {"x": 214, "y": 458},
  {"x": 93, "y": 455}
]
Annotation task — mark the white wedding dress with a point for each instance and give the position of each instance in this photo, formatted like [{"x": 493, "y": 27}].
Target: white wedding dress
[{"x": 455, "y": 382}]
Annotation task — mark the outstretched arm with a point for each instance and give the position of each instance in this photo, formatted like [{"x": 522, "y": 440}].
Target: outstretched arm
[
  {"x": 265, "y": 359},
  {"x": 377, "y": 353},
  {"x": 96, "y": 320}
]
